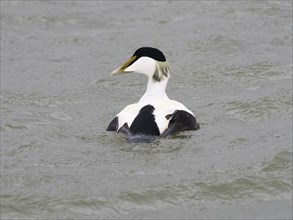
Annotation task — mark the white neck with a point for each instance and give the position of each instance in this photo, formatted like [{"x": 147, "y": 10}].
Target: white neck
[{"x": 155, "y": 90}]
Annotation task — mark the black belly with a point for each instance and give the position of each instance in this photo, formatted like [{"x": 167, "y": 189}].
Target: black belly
[{"x": 144, "y": 122}]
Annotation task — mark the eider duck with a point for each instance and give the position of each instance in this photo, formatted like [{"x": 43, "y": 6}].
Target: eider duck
[{"x": 154, "y": 115}]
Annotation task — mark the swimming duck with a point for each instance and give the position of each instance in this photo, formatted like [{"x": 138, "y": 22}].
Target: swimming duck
[{"x": 154, "y": 114}]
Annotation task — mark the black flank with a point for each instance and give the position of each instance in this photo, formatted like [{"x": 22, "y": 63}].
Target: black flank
[{"x": 113, "y": 126}]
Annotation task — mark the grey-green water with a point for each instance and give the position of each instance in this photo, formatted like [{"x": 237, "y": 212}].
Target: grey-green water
[{"x": 231, "y": 64}]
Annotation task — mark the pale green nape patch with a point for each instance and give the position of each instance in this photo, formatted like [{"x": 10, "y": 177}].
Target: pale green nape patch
[{"x": 162, "y": 71}]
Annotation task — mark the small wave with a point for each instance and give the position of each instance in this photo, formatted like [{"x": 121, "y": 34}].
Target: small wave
[
  {"x": 260, "y": 109},
  {"x": 259, "y": 70}
]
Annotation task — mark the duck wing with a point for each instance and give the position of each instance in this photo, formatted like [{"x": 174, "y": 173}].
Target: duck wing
[{"x": 180, "y": 120}]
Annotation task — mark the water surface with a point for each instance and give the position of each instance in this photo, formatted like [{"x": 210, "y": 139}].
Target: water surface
[{"x": 231, "y": 64}]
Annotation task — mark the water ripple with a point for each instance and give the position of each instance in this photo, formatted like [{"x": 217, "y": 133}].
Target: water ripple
[{"x": 260, "y": 109}]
